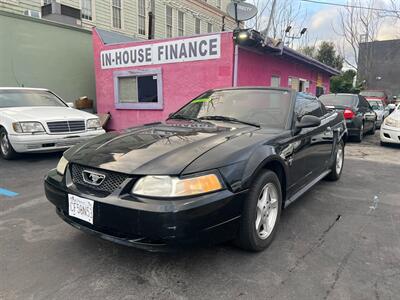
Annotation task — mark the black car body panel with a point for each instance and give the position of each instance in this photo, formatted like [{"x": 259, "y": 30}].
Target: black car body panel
[
  {"x": 364, "y": 115},
  {"x": 234, "y": 152}
]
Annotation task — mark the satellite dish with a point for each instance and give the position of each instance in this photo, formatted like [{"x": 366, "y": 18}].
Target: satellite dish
[{"x": 245, "y": 11}]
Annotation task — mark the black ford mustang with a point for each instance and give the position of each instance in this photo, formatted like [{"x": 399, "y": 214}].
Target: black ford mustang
[{"x": 222, "y": 167}]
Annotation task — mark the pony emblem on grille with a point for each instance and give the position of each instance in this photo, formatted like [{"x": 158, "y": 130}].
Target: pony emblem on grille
[{"x": 93, "y": 178}]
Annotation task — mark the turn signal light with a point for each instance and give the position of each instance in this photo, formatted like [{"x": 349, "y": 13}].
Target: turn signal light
[{"x": 348, "y": 114}]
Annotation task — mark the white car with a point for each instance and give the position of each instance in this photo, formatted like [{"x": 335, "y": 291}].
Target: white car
[
  {"x": 37, "y": 120},
  {"x": 390, "y": 129},
  {"x": 379, "y": 109}
]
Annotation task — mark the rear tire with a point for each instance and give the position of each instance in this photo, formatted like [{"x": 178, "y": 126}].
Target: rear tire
[
  {"x": 360, "y": 135},
  {"x": 261, "y": 213},
  {"x": 6, "y": 149},
  {"x": 337, "y": 165},
  {"x": 373, "y": 130}
]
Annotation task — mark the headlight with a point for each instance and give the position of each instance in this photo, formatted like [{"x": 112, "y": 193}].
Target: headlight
[
  {"x": 392, "y": 122},
  {"x": 62, "y": 165},
  {"x": 93, "y": 123},
  {"x": 28, "y": 127},
  {"x": 166, "y": 186}
]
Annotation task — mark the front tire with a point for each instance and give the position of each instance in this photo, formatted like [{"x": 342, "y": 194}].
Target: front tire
[
  {"x": 337, "y": 166},
  {"x": 6, "y": 149},
  {"x": 261, "y": 213}
]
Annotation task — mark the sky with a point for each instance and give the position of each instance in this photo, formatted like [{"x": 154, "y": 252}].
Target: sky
[{"x": 323, "y": 20}]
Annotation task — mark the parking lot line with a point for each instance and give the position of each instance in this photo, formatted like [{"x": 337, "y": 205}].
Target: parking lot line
[{"x": 7, "y": 193}]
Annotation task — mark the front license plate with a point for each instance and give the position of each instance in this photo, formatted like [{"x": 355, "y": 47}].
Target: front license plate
[{"x": 80, "y": 208}]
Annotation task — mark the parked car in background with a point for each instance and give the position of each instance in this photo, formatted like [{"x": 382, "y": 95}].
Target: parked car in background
[
  {"x": 380, "y": 110},
  {"x": 359, "y": 115},
  {"x": 37, "y": 120},
  {"x": 222, "y": 167},
  {"x": 376, "y": 95},
  {"x": 390, "y": 129}
]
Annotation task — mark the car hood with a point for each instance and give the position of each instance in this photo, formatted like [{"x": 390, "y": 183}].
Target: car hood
[
  {"x": 395, "y": 115},
  {"x": 44, "y": 113},
  {"x": 155, "y": 149}
]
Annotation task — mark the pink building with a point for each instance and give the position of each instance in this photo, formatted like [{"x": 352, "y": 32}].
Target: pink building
[{"x": 144, "y": 81}]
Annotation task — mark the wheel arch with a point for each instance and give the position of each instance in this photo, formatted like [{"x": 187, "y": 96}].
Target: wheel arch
[{"x": 276, "y": 165}]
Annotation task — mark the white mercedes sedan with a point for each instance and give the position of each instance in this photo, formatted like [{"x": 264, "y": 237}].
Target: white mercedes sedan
[
  {"x": 37, "y": 120},
  {"x": 390, "y": 129}
]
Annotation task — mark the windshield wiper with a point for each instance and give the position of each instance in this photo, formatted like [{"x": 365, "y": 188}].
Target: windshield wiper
[
  {"x": 183, "y": 117},
  {"x": 229, "y": 119}
]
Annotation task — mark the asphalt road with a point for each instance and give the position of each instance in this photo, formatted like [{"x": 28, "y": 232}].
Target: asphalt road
[{"x": 339, "y": 241}]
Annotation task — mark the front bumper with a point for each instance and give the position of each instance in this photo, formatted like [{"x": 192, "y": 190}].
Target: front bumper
[
  {"x": 390, "y": 134},
  {"x": 50, "y": 142},
  {"x": 152, "y": 224}
]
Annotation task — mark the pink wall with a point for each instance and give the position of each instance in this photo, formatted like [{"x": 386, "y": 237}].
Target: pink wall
[
  {"x": 181, "y": 82},
  {"x": 185, "y": 80},
  {"x": 257, "y": 69}
]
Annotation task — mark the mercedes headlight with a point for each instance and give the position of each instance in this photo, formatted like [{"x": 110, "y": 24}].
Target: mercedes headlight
[
  {"x": 392, "y": 122},
  {"x": 62, "y": 165},
  {"x": 166, "y": 186},
  {"x": 28, "y": 127},
  {"x": 93, "y": 123}
]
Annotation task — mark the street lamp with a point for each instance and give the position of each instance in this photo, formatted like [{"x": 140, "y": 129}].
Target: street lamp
[{"x": 294, "y": 37}]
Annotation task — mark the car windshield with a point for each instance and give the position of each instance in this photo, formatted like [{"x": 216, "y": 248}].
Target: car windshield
[
  {"x": 376, "y": 94},
  {"x": 376, "y": 105},
  {"x": 22, "y": 98},
  {"x": 338, "y": 100},
  {"x": 269, "y": 108}
]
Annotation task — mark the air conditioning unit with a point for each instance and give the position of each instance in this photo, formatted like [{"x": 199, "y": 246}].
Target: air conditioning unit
[
  {"x": 32, "y": 13},
  {"x": 61, "y": 13}
]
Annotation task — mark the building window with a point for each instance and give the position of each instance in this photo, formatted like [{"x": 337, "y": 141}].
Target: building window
[
  {"x": 181, "y": 22},
  {"x": 209, "y": 27},
  {"x": 142, "y": 17},
  {"x": 219, "y": 4},
  {"x": 169, "y": 21},
  {"x": 197, "y": 26},
  {"x": 116, "y": 13},
  {"x": 275, "y": 81},
  {"x": 86, "y": 9},
  {"x": 46, "y": 2},
  {"x": 138, "y": 89}
]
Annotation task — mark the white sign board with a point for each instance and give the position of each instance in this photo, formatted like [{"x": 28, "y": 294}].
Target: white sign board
[{"x": 183, "y": 50}]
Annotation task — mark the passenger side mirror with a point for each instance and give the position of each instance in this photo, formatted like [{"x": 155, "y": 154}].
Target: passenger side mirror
[{"x": 308, "y": 121}]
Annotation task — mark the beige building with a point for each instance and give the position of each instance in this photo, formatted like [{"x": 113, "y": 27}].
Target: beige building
[{"x": 131, "y": 17}]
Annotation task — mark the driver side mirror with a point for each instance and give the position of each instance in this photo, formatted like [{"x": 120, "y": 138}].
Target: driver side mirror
[
  {"x": 71, "y": 104},
  {"x": 308, "y": 121}
]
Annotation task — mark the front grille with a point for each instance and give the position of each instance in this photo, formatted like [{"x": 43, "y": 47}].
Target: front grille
[
  {"x": 112, "y": 180},
  {"x": 66, "y": 126}
]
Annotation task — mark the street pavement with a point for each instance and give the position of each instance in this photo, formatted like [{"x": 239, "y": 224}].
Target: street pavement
[{"x": 339, "y": 241}]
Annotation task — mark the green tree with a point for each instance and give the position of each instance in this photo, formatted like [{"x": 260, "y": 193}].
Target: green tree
[
  {"x": 343, "y": 83},
  {"x": 308, "y": 50},
  {"x": 326, "y": 54}
]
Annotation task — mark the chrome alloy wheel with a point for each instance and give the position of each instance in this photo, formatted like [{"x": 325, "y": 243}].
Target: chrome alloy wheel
[
  {"x": 339, "y": 160},
  {"x": 267, "y": 211},
  {"x": 4, "y": 143}
]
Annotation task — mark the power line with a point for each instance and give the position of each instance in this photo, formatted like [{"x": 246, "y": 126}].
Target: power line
[{"x": 352, "y": 6}]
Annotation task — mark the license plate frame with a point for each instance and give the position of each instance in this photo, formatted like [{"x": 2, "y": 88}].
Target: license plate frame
[{"x": 80, "y": 208}]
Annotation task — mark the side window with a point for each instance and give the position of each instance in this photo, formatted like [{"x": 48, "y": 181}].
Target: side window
[
  {"x": 308, "y": 106},
  {"x": 363, "y": 103}
]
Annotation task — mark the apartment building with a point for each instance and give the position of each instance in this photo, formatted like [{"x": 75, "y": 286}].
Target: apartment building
[{"x": 136, "y": 18}]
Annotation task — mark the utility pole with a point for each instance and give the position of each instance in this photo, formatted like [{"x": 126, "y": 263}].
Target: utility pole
[{"x": 272, "y": 15}]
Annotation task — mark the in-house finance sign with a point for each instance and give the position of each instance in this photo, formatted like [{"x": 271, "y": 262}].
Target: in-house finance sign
[{"x": 184, "y": 50}]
